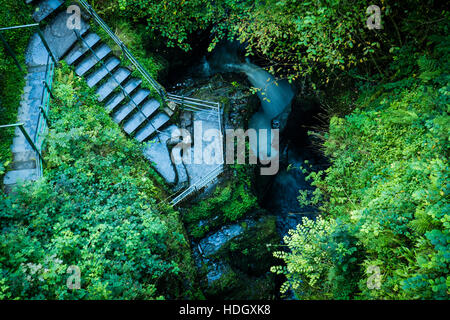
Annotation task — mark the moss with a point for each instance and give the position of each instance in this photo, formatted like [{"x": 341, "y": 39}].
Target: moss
[
  {"x": 231, "y": 201},
  {"x": 248, "y": 259},
  {"x": 12, "y": 80},
  {"x": 238, "y": 286},
  {"x": 251, "y": 252}
]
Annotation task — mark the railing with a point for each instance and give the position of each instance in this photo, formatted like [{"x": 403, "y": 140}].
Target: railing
[
  {"x": 197, "y": 186},
  {"x": 43, "y": 121},
  {"x": 191, "y": 104},
  {"x": 156, "y": 86},
  {"x": 11, "y": 52},
  {"x": 197, "y": 105},
  {"x": 27, "y": 137},
  {"x": 119, "y": 85}
]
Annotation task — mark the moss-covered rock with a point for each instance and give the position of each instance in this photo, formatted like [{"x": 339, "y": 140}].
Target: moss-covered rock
[{"x": 240, "y": 268}]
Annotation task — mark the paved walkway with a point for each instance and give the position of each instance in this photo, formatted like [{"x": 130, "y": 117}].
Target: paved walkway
[{"x": 137, "y": 111}]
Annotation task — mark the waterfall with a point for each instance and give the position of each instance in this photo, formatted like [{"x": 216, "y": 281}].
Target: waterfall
[
  {"x": 206, "y": 68},
  {"x": 275, "y": 97}
]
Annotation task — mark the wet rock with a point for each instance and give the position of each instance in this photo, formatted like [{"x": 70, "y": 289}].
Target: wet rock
[
  {"x": 185, "y": 119},
  {"x": 158, "y": 153},
  {"x": 236, "y": 260},
  {"x": 214, "y": 242}
]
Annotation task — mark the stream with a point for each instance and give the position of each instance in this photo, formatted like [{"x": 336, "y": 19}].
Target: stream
[
  {"x": 279, "y": 108},
  {"x": 226, "y": 74}
]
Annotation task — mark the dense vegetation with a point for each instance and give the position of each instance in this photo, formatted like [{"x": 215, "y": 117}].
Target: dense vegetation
[
  {"x": 97, "y": 209},
  {"x": 385, "y": 197},
  {"x": 383, "y": 228},
  {"x": 228, "y": 203},
  {"x": 12, "y": 80},
  {"x": 295, "y": 38}
]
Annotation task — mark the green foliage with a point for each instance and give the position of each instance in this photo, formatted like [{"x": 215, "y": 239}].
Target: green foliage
[
  {"x": 134, "y": 37},
  {"x": 388, "y": 185},
  {"x": 97, "y": 209},
  {"x": 248, "y": 258},
  {"x": 327, "y": 38},
  {"x": 228, "y": 203},
  {"x": 174, "y": 20},
  {"x": 322, "y": 262},
  {"x": 251, "y": 251},
  {"x": 12, "y": 80}
]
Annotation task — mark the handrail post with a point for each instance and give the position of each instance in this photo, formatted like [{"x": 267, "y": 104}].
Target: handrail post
[
  {"x": 45, "y": 116},
  {"x": 27, "y": 137},
  {"x": 11, "y": 52},
  {"x": 48, "y": 89}
]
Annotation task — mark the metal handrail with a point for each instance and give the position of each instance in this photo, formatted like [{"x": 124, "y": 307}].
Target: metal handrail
[
  {"x": 125, "y": 93},
  {"x": 188, "y": 103},
  {"x": 40, "y": 34},
  {"x": 27, "y": 137},
  {"x": 146, "y": 75},
  {"x": 42, "y": 125},
  {"x": 196, "y": 186},
  {"x": 43, "y": 120},
  {"x": 158, "y": 88}
]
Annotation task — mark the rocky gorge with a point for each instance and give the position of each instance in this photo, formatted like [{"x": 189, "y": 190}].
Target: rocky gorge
[{"x": 233, "y": 253}]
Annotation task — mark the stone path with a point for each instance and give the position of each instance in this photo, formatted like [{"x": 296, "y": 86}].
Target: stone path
[
  {"x": 25, "y": 160},
  {"x": 130, "y": 104},
  {"x": 44, "y": 8}
]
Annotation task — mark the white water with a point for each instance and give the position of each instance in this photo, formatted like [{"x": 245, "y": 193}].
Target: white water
[{"x": 275, "y": 97}]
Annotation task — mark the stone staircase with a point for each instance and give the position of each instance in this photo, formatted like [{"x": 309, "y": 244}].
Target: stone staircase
[
  {"x": 24, "y": 164},
  {"x": 124, "y": 96},
  {"x": 130, "y": 105},
  {"x": 44, "y": 8}
]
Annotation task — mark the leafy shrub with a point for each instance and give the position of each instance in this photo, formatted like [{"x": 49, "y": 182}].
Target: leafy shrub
[
  {"x": 97, "y": 208},
  {"x": 322, "y": 262},
  {"x": 12, "y": 80},
  {"x": 388, "y": 184}
]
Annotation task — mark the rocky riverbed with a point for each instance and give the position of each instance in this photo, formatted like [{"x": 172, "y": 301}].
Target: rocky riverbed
[{"x": 236, "y": 224}]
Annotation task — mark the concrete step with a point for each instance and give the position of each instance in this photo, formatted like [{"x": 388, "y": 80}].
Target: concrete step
[
  {"x": 59, "y": 36},
  {"x": 87, "y": 63},
  {"x": 81, "y": 48},
  {"x": 112, "y": 83},
  {"x": 24, "y": 160},
  {"x": 150, "y": 128},
  {"x": 117, "y": 99},
  {"x": 158, "y": 153},
  {"x": 139, "y": 117},
  {"x": 24, "y": 156},
  {"x": 31, "y": 164},
  {"x": 12, "y": 177},
  {"x": 21, "y": 147},
  {"x": 127, "y": 110},
  {"x": 96, "y": 76},
  {"x": 138, "y": 97},
  {"x": 45, "y": 8}
]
